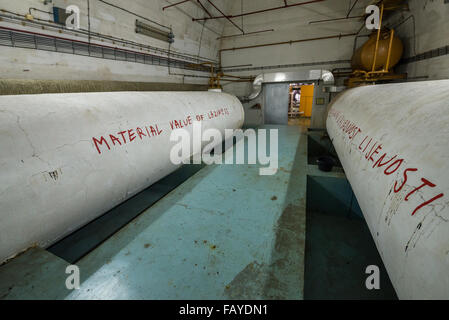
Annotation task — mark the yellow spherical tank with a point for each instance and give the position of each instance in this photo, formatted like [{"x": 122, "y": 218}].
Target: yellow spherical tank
[{"x": 364, "y": 56}]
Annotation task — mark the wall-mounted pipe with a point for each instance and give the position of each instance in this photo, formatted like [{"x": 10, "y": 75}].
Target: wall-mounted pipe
[
  {"x": 175, "y": 4},
  {"x": 335, "y": 19},
  {"x": 283, "y": 43},
  {"x": 245, "y": 34},
  {"x": 352, "y": 8},
  {"x": 18, "y": 18},
  {"x": 224, "y": 16},
  {"x": 339, "y": 36},
  {"x": 204, "y": 8},
  {"x": 286, "y": 6}
]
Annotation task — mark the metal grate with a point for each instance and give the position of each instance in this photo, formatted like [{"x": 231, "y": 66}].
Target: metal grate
[
  {"x": 49, "y": 43},
  {"x": 427, "y": 55}
]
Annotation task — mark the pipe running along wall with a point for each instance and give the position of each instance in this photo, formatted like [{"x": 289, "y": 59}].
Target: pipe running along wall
[
  {"x": 393, "y": 141},
  {"x": 68, "y": 158}
]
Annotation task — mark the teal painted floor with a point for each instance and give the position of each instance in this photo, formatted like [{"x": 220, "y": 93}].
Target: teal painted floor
[
  {"x": 225, "y": 233},
  {"x": 339, "y": 245}
]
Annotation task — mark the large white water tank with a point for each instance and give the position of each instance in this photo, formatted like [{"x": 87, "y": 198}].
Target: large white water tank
[
  {"x": 393, "y": 142},
  {"x": 65, "y": 159}
]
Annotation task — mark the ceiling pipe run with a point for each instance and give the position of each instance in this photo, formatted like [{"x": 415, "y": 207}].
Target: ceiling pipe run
[
  {"x": 223, "y": 16},
  {"x": 245, "y": 34},
  {"x": 289, "y": 42},
  {"x": 258, "y": 11},
  {"x": 90, "y": 44},
  {"x": 336, "y": 19},
  {"x": 204, "y": 8},
  {"x": 174, "y": 4},
  {"x": 18, "y": 18},
  {"x": 282, "y": 43},
  {"x": 352, "y": 8}
]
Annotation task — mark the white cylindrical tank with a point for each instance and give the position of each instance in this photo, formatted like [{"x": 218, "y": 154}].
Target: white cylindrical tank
[
  {"x": 65, "y": 159},
  {"x": 393, "y": 142}
]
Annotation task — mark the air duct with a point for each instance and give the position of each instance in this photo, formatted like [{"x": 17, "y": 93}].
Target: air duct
[{"x": 298, "y": 76}]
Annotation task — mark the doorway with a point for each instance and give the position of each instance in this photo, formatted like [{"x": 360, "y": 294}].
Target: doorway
[{"x": 301, "y": 103}]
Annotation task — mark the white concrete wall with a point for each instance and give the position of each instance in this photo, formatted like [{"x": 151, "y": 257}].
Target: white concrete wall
[
  {"x": 35, "y": 64},
  {"x": 432, "y": 32},
  {"x": 292, "y": 24},
  {"x": 289, "y": 24}
]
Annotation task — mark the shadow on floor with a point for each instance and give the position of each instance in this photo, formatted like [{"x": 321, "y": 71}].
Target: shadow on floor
[
  {"x": 79, "y": 243},
  {"x": 339, "y": 246},
  {"x": 302, "y": 122}
]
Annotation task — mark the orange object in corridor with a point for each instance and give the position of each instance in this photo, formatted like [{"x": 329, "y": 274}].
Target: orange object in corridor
[{"x": 306, "y": 101}]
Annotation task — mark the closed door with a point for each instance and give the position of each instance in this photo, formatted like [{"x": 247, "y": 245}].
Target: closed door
[{"x": 276, "y": 101}]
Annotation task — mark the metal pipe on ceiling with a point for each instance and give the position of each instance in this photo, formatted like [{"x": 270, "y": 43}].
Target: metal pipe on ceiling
[
  {"x": 245, "y": 34},
  {"x": 335, "y": 19},
  {"x": 240, "y": 65},
  {"x": 188, "y": 15},
  {"x": 289, "y": 42},
  {"x": 87, "y": 43},
  {"x": 174, "y": 4},
  {"x": 352, "y": 8},
  {"x": 224, "y": 16},
  {"x": 220, "y": 52},
  {"x": 204, "y": 8},
  {"x": 208, "y": 77},
  {"x": 259, "y": 11},
  {"x": 134, "y": 14}
]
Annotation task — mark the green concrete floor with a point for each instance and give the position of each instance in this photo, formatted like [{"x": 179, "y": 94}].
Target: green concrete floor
[
  {"x": 224, "y": 233},
  {"x": 338, "y": 250},
  {"x": 339, "y": 245}
]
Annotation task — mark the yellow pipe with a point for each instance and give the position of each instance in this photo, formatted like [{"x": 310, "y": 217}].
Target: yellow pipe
[
  {"x": 378, "y": 37},
  {"x": 387, "y": 67}
]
